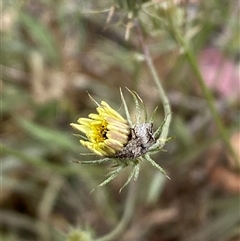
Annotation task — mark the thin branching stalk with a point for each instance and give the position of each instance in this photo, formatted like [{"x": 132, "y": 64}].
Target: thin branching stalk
[
  {"x": 157, "y": 81},
  {"x": 132, "y": 191}
]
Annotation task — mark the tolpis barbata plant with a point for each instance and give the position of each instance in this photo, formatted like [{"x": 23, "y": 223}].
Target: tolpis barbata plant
[{"x": 119, "y": 141}]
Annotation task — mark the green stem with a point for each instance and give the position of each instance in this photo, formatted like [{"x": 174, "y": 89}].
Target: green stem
[
  {"x": 131, "y": 196},
  {"x": 206, "y": 92},
  {"x": 127, "y": 215},
  {"x": 158, "y": 82}
]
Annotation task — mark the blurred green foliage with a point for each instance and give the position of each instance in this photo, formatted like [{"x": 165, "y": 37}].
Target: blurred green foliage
[{"x": 52, "y": 52}]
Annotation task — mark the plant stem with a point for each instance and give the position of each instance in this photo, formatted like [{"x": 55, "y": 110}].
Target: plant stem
[
  {"x": 132, "y": 191},
  {"x": 158, "y": 82},
  {"x": 206, "y": 92},
  {"x": 127, "y": 215}
]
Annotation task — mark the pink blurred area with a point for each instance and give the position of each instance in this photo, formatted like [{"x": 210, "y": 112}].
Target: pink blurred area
[{"x": 220, "y": 74}]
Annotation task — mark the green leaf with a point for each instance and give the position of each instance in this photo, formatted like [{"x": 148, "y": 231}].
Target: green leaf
[{"x": 49, "y": 136}]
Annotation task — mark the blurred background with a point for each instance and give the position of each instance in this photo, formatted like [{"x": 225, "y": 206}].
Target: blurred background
[{"x": 52, "y": 52}]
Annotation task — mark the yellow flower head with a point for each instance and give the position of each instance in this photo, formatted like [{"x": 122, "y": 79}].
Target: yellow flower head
[
  {"x": 107, "y": 132},
  {"x": 120, "y": 141}
]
